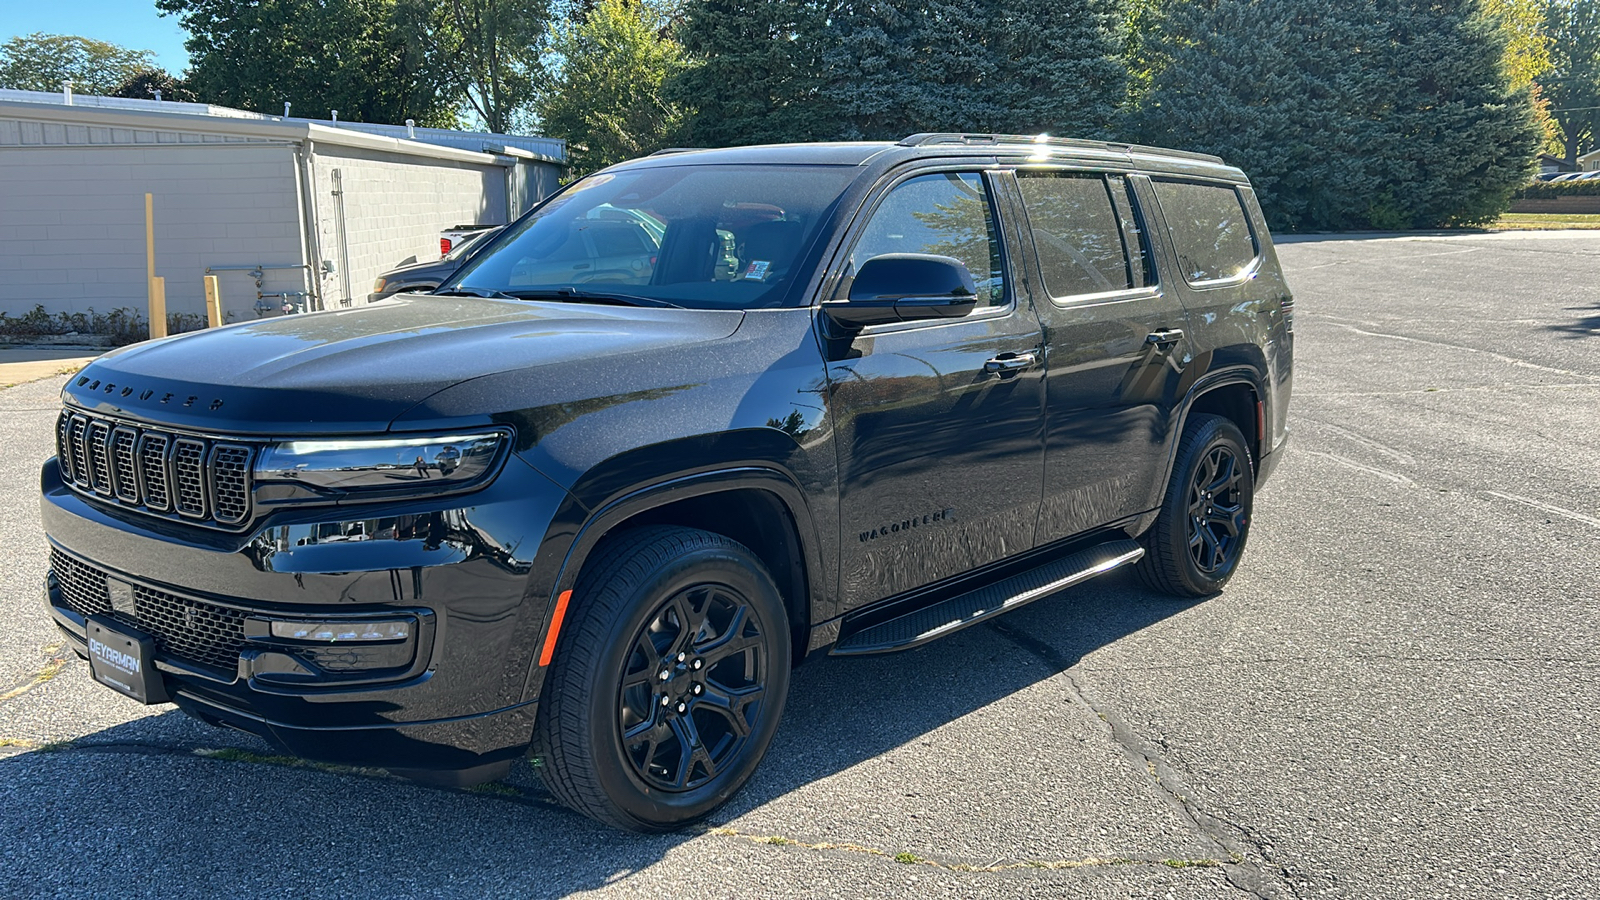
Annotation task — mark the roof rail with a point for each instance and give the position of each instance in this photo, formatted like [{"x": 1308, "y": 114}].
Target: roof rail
[
  {"x": 981, "y": 140},
  {"x": 668, "y": 151}
]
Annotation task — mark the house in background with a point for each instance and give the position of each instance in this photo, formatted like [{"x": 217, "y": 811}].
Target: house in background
[
  {"x": 1589, "y": 162},
  {"x": 283, "y": 210},
  {"x": 1554, "y": 165}
]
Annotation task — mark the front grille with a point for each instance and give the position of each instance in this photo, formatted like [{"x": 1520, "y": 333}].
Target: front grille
[
  {"x": 188, "y": 630},
  {"x": 199, "y": 479}
]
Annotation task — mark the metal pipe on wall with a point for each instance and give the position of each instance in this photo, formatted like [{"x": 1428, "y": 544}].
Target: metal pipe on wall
[
  {"x": 310, "y": 236},
  {"x": 344, "y": 237}
]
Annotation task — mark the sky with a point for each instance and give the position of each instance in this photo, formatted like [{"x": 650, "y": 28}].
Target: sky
[{"x": 135, "y": 24}]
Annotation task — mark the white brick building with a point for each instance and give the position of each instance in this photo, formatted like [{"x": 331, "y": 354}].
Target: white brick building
[{"x": 321, "y": 207}]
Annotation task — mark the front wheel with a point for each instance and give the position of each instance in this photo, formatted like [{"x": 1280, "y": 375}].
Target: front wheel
[
  {"x": 1196, "y": 542},
  {"x": 669, "y": 682}
]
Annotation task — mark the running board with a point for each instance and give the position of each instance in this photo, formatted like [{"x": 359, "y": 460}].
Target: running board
[{"x": 949, "y": 616}]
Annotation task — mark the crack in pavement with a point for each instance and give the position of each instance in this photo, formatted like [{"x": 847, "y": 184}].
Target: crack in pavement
[
  {"x": 1509, "y": 360},
  {"x": 58, "y": 661},
  {"x": 510, "y": 793},
  {"x": 997, "y": 866},
  {"x": 1235, "y": 841}
]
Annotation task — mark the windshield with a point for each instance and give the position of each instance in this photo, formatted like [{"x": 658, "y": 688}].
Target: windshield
[{"x": 706, "y": 237}]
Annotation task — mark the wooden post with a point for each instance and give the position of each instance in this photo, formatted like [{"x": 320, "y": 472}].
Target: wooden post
[
  {"x": 158, "y": 307},
  {"x": 149, "y": 236},
  {"x": 213, "y": 302},
  {"x": 156, "y": 287}
]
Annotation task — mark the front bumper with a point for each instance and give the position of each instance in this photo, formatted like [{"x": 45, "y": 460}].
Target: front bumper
[{"x": 459, "y": 694}]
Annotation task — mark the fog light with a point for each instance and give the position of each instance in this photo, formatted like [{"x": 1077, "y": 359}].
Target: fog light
[{"x": 333, "y": 632}]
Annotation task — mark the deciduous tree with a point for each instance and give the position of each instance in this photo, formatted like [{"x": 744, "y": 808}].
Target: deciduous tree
[
  {"x": 605, "y": 92},
  {"x": 487, "y": 51},
  {"x": 319, "y": 55},
  {"x": 42, "y": 62},
  {"x": 1572, "y": 83}
]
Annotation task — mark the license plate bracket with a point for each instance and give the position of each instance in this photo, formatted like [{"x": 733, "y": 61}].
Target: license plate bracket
[{"x": 124, "y": 659}]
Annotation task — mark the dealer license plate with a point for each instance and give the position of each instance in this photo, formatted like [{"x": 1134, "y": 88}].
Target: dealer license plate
[{"x": 123, "y": 659}]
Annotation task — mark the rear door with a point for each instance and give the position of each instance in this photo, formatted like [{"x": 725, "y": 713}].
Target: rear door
[
  {"x": 938, "y": 424},
  {"x": 1117, "y": 344}
]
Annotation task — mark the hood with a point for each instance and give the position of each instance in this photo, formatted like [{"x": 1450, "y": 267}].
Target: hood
[
  {"x": 438, "y": 268},
  {"x": 357, "y": 369}
]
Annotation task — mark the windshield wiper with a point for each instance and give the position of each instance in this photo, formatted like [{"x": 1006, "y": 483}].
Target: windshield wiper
[
  {"x": 474, "y": 292},
  {"x": 577, "y": 295}
]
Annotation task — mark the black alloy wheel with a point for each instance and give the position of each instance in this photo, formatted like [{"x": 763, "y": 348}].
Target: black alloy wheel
[
  {"x": 1217, "y": 522},
  {"x": 1199, "y": 536},
  {"x": 668, "y": 679},
  {"x": 692, "y": 687}
]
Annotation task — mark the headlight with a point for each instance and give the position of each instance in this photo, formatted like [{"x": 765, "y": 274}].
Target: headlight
[{"x": 377, "y": 468}]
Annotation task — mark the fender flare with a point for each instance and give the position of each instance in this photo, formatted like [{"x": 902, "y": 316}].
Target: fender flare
[
  {"x": 1236, "y": 374},
  {"x": 602, "y": 520}
]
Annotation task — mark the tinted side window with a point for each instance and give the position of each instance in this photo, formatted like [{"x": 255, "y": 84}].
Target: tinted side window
[
  {"x": 1076, "y": 233},
  {"x": 948, "y": 214},
  {"x": 1209, "y": 229},
  {"x": 1139, "y": 265}
]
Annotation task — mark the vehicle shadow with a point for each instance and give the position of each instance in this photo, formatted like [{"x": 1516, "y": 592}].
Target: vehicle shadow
[
  {"x": 1584, "y": 326},
  {"x": 151, "y": 805}
]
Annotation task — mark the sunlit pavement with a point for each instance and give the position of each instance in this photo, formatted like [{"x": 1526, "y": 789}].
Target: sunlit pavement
[{"x": 1395, "y": 698}]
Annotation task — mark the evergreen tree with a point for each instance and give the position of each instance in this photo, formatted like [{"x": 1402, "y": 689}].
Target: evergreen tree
[
  {"x": 1457, "y": 140},
  {"x": 899, "y": 66},
  {"x": 792, "y": 70},
  {"x": 1345, "y": 113},
  {"x": 1271, "y": 87},
  {"x": 755, "y": 72},
  {"x": 1060, "y": 66}
]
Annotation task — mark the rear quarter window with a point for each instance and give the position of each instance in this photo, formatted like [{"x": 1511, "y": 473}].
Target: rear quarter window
[{"x": 1210, "y": 229}]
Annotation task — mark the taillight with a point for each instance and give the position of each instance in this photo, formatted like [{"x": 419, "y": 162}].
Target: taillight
[{"x": 444, "y": 246}]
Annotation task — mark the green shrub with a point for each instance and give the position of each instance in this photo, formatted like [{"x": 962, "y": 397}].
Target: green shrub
[
  {"x": 122, "y": 325},
  {"x": 1544, "y": 190}
]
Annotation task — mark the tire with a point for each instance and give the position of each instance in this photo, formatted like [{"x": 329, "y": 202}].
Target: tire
[
  {"x": 1199, "y": 535},
  {"x": 649, "y": 721}
]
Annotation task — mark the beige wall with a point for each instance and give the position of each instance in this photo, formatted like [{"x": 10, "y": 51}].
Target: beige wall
[
  {"x": 72, "y": 221},
  {"x": 394, "y": 208}
]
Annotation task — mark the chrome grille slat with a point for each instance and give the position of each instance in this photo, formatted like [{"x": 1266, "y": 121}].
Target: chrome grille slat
[
  {"x": 230, "y": 483},
  {"x": 188, "y": 462},
  {"x": 99, "y": 440},
  {"x": 123, "y": 465},
  {"x": 80, "y": 451},
  {"x": 64, "y": 445},
  {"x": 153, "y": 471},
  {"x": 202, "y": 479}
]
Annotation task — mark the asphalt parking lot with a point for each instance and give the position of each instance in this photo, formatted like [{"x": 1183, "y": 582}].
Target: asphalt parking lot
[{"x": 1396, "y": 697}]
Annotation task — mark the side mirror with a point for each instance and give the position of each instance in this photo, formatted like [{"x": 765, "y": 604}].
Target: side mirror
[{"x": 904, "y": 287}]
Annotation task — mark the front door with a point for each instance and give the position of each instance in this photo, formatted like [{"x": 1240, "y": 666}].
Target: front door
[{"x": 938, "y": 424}]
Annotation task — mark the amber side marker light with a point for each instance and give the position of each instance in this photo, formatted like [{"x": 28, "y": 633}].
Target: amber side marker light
[{"x": 555, "y": 628}]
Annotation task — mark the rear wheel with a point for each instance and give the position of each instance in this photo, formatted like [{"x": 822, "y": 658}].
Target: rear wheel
[
  {"x": 669, "y": 685},
  {"x": 1199, "y": 535}
]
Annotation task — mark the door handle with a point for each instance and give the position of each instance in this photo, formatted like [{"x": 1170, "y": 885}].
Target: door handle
[
  {"x": 1009, "y": 363},
  {"x": 1164, "y": 338}
]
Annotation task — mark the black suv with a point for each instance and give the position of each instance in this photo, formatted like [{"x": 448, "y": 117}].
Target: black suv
[{"x": 693, "y": 418}]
